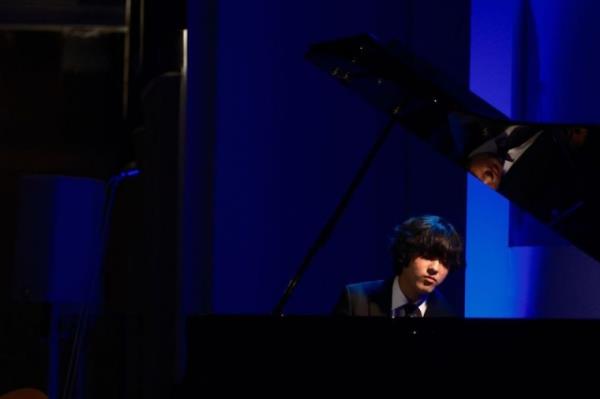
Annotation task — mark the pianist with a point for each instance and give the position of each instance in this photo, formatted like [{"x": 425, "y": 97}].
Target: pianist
[{"x": 424, "y": 250}]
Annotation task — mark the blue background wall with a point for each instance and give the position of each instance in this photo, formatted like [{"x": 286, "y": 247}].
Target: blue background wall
[
  {"x": 536, "y": 59},
  {"x": 288, "y": 140}
]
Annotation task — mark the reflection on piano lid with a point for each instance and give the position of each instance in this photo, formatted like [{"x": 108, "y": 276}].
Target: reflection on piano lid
[{"x": 546, "y": 169}]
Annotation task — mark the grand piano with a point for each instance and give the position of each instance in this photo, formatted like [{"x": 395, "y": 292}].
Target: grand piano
[{"x": 546, "y": 174}]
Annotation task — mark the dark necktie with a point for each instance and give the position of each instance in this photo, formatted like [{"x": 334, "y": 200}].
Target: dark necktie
[{"x": 410, "y": 310}]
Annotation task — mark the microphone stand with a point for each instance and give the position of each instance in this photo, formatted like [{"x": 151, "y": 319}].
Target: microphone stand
[
  {"x": 80, "y": 330},
  {"x": 327, "y": 230}
]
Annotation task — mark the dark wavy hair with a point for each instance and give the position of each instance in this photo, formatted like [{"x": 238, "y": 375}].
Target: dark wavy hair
[{"x": 428, "y": 236}]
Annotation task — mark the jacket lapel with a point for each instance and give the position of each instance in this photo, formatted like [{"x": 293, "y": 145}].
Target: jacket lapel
[{"x": 380, "y": 302}]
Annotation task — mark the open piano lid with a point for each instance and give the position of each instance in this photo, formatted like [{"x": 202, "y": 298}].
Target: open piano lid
[{"x": 547, "y": 173}]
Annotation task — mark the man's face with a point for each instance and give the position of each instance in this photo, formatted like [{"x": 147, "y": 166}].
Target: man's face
[
  {"x": 421, "y": 277},
  {"x": 487, "y": 168}
]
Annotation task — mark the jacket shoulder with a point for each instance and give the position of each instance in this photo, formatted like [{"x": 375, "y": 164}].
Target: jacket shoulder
[{"x": 365, "y": 287}]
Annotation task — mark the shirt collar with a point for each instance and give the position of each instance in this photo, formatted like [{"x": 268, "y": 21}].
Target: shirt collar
[{"x": 399, "y": 299}]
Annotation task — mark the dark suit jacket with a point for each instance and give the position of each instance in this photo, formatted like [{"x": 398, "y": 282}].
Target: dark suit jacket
[
  {"x": 541, "y": 180},
  {"x": 374, "y": 298}
]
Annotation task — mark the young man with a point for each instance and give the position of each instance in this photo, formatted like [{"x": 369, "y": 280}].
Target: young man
[{"x": 424, "y": 249}]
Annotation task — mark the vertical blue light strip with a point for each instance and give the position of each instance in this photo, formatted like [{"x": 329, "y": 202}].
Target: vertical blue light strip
[
  {"x": 501, "y": 281},
  {"x": 488, "y": 287},
  {"x": 494, "y": 285}
]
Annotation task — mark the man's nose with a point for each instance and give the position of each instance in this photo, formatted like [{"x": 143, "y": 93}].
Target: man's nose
[{"x": 434, "y": 266}]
